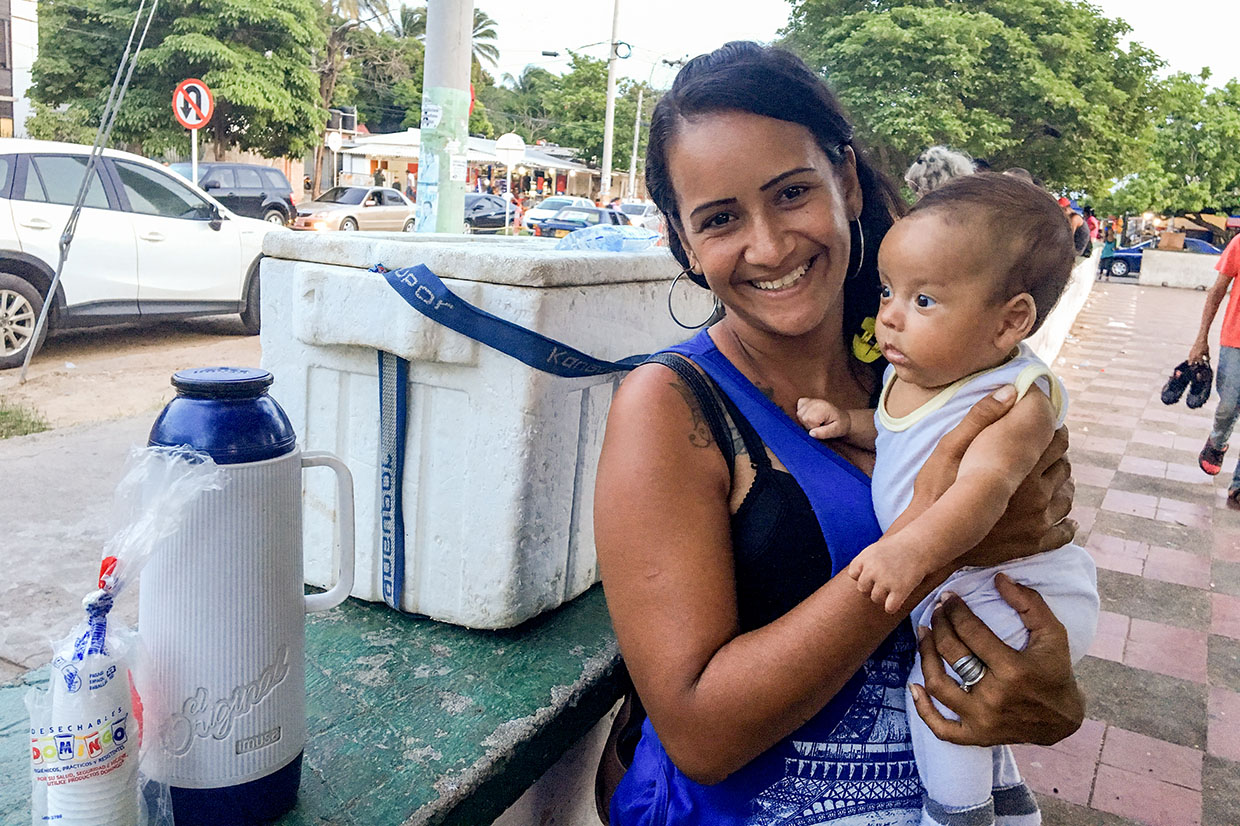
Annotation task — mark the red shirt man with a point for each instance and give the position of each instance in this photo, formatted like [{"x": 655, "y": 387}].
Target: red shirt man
[{"x": 1226, "y": 369}]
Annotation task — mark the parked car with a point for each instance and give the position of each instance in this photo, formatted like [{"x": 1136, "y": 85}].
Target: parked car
[
  {"x": 148, "y": 246},
  {"x": 350, "y": 208},
  {"x": 567, "y": 220},
  {"x": 485, "y": 213},
  {"x": 247, "y": 189},
  {"x": 1127, "y": 260},
  {"x": 643, "y": 214},
  {"x": 550, "y": 206}
]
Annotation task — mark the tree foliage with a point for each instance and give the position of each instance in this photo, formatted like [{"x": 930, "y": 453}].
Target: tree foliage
[
  {"x": 570, "y": 110},
  {"x": 1040, "y": 84},
  {"x": 254, "y": 54},
  {"x": 383, "y": 79},
  {"x": 1191, "y": 164}
]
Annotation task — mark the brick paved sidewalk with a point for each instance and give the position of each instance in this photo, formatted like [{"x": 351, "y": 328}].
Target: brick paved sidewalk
[{"x": 1162, "y": 742}]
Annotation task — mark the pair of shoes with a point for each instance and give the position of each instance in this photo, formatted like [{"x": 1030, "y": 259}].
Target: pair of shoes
[
  {"x": 1211, "y": 458},
  {"x": 1201, "y": 378},
  {"x": 1197, "y": 378},
  {"x": 1177, "y": 384}
]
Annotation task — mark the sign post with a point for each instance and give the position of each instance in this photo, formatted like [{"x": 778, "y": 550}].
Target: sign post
[{"x": 192, "y": 105}]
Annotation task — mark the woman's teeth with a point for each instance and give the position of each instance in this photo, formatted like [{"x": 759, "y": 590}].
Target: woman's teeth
[{"x": 787, "y": 281}]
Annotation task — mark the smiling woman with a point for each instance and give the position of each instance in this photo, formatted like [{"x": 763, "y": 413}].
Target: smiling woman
[{"x": 775, "y": 690}]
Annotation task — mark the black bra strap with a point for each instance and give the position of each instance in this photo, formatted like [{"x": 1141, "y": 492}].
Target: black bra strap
[{"x": 706, "y": 400}]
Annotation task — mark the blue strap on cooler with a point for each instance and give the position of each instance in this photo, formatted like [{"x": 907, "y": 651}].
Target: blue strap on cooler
[
  {"x": 393, "y": 417},
  {"x": 426, "y": 293}
]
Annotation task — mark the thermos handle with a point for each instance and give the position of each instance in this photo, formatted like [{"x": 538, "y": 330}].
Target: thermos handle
[{"x": 344, "y": 511}]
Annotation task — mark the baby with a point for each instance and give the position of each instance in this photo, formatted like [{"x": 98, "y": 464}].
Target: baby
[{"x": 970, "y": 272}]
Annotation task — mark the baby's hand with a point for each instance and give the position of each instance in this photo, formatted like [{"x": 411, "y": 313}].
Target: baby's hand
[
  {"x": 822, "y": 419},
  {"x": 887, "y": 574}
]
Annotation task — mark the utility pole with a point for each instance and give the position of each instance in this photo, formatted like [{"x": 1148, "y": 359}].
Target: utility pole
[
  {"x": 637, "y": 133},
  {"x": 609, "y": 121},
  {"x": 445, "y": 116}
]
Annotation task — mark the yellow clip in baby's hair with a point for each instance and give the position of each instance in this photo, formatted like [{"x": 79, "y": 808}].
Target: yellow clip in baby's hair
[{"x": 864, "y": 345}]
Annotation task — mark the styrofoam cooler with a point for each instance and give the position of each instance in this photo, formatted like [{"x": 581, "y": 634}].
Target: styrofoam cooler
[{"x": 500, "y": 458}]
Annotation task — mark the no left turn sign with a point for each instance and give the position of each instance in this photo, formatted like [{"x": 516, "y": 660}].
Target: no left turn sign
[{"x": 192, "y": 103}]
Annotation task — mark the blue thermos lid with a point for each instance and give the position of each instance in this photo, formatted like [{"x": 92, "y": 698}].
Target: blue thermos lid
[{"x": 226, "y": 413}]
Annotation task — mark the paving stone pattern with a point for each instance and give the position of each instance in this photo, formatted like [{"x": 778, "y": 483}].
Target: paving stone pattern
[{"x": 1162, "y": 742}]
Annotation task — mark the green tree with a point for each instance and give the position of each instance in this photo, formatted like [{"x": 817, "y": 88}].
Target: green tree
[
  {"x": 412, "y": 23},
  {"x": 1191, "y": 165},
  {"x": 70, "y": 123},
  {"x": 383, "y": 79},
  {"x": 1041, "y": 84},
  {"x": 520, "y": 104},
  {"x": 576, "y": 109},
  {"x": 254, "y": 54}
]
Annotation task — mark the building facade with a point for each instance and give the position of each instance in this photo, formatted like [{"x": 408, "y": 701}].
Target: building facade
[{"x": 19, "y": 45}]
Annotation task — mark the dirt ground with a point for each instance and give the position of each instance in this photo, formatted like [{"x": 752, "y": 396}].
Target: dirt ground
[{"x": 94, "y": 375}]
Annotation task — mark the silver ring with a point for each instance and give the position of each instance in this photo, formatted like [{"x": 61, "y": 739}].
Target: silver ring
[{"x": 970, "y": 669}]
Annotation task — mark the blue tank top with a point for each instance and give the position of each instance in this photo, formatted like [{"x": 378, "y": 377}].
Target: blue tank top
[{"x": 852, "y": 764}]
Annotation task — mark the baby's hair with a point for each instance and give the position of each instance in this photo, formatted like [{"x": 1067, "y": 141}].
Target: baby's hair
[{"x": 1014, "y": 218}]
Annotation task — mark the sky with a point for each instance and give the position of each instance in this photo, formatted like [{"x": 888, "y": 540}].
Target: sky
[{"x": 659, "y": 30}]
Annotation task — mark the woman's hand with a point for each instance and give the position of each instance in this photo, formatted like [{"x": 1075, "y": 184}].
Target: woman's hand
[
  {"x": 939, "y": 471},
  {"x": 1027, "y": 696},
  {"x": 1036, "y": 516}
]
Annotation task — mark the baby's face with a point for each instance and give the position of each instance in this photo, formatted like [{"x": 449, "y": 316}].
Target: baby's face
[{"x": 938, "y": 317}]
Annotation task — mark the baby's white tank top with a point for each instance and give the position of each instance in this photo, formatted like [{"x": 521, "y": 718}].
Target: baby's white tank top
[{"x": 906, "y": 442}]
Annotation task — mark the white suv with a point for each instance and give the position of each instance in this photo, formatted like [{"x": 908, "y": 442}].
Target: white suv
[{"x": 149, "y": 245}]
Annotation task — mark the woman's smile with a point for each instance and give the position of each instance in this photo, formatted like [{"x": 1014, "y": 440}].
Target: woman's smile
[{"x": 784, "y": 283}]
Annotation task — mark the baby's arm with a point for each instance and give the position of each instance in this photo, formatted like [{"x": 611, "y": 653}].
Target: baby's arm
[
  {"x": 997, "y": 462},
  {"x": 824, "y": 420}
]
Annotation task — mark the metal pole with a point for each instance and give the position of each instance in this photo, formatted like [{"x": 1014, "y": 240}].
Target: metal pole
[
  {"x": 193, "y": 154},
  {"x": 609, "y": 121},
  {"x": 445, "y": 116},
  {"x": 637, "y": 133},
  {"x": 507, "y": 194}
]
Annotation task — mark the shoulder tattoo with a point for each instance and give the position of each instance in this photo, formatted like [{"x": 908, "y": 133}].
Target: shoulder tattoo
[{"x": 699, "y": 436}]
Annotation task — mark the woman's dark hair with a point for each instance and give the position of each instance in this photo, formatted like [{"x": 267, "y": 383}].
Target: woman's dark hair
[{"x": 762, "y": 80}]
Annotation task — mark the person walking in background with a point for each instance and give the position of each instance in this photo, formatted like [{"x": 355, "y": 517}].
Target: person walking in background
[
  {"x": 1108, "y": 250},
  {"x": 935, "y": 167},
  {"x": 1091, "y": 221},
  {"x": 409, "y": 190},
  {"x": 1227, "y": 375},
  {"x": 1080, "y": 232}
]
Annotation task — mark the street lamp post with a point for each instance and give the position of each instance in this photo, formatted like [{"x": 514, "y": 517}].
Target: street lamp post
[{"x": 609, "y": 120}]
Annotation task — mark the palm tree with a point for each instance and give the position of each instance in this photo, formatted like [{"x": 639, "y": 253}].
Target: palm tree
[
  {"x": 484, "y": 38},
  {"x": 412, "y": 23}
]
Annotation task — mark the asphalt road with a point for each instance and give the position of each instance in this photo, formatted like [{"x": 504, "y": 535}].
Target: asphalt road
[{"x": 104, "y": 373}]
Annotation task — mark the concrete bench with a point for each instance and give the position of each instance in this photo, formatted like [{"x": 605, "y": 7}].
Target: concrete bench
[{"x": 413, "y": 721}]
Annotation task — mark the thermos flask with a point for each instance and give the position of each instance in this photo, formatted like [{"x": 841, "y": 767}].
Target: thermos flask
[{"x": 222, "y": 608}]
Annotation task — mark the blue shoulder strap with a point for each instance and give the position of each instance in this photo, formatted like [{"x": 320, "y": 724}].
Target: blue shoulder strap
[{"x": 838, "y": 492}]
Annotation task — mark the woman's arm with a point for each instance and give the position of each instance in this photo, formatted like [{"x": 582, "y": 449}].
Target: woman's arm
[
  {"x": 717, "y": 697},
  {"x": 996, "y": 465}
]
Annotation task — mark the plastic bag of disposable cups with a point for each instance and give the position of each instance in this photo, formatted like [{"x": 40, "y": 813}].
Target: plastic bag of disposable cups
[{"x": 89, "y": 730}]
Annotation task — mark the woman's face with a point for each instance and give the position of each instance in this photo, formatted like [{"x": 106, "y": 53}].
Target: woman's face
[{"x": 764, "y": 216}]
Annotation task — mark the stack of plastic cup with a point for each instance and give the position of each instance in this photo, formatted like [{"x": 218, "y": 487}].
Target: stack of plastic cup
[{"x": 109, "y": 798}]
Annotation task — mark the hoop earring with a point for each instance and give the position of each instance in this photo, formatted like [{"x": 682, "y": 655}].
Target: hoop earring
[
  {"x": 861, "y": 257},
  {"x": 714, "y": 314}
]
